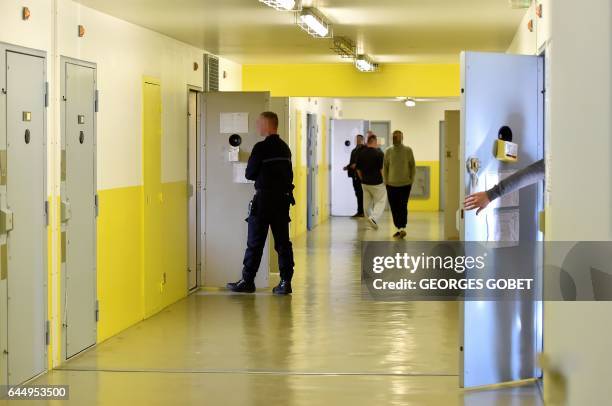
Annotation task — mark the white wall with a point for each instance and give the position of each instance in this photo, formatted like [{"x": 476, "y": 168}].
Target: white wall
[
  {"x": 124, "y": 53},
  {"x": 321, "y": 106},
  {"x": 576, "y": 38},
  {"x": 230, "y": 75},
  {"x": 577, "y": 336},
  {"x": 527, "y": 42},
  {"x": 419, "y": 124}
]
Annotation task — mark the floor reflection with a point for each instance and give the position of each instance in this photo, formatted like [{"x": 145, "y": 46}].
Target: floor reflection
[{"x": 323, "y": 345}]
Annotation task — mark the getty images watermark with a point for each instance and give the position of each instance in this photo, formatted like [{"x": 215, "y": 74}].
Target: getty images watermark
[{"x": 454, "y": 270}]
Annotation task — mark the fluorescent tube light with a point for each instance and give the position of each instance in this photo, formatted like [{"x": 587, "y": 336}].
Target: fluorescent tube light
[
  {"x": 314, "y": 23},
  {"x": 364, "y": 64},
  {"x": 281, "y": 5}
]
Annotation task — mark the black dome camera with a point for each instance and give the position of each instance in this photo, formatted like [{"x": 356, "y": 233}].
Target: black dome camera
[{"x": 235, "y": 140}]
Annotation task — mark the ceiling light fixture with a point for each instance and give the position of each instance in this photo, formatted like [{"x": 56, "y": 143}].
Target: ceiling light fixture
[
  {"x": 365, "y": 64},
  {"x": 281, "y": 5},
  {"x": 410, "y": 103},
  {"x": 344, "y": 47},
  {"x": 314, "y": 23},
  {"x": 520, "y": 3}
]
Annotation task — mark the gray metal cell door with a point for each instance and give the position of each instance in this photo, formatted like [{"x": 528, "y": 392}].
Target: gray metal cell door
[
  {"x": 25, "y": 198},
  {"x": 78, "y": 206},
  {"x": 227, "y": 194},
  {"x": 342, "y": 142},
  {"x": 193, "y": 195},
  {"x": 499, "y": 340},
  {"x": 311, "y": 159}
]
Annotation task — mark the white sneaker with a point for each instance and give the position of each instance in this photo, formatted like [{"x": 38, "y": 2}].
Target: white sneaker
[{"x": 373, "y": 223}]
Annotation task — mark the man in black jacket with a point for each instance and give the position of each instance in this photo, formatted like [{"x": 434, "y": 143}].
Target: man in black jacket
[
  {"x": 352, "y": 173},
  {"x": 270, "y": 167}
]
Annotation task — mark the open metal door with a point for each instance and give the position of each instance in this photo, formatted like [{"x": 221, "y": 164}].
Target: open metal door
[
  {"x": 342, "y": 142},
  {"x": 226, "y": 191},
  {"x": 499, "y": 341}
]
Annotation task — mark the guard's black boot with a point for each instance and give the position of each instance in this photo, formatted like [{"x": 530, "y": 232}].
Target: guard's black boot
[
  {"x": 283, "y": 288},
  {"x": 241, "y": 286}
]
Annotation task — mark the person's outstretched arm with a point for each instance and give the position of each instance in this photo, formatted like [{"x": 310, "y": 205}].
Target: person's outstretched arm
[{"x": 527, "y": 176}]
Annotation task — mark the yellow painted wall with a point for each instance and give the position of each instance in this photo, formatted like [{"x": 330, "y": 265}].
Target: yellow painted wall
[
  {"x": 298, "y": 211},
  {"x": 433, "y": 202},
  {"x": 343, "y": 80},
  {"x": 174, "y": 254},
  {"x": 323, "y": 174},
  {"x": 119, "y": 260}
]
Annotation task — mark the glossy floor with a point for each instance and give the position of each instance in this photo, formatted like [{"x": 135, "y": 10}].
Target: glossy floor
[{"x": 326, "y": 344}]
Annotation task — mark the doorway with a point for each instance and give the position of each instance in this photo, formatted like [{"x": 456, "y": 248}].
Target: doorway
[
  {"x": 312, "y": 165},
  {"x": 449, "y": 171},
  {"x": 441, "y": 159},
  {"x": 193, "y": 187},
  {"x": 78, "y": 205}
]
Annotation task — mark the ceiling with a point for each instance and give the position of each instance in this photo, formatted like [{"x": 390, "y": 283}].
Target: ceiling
[{"x": 247, "y": 31}]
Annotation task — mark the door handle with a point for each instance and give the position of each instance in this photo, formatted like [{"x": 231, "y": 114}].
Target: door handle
[
  {"x": 66, "y": 211},
  {"x": 6, "y": 221}
]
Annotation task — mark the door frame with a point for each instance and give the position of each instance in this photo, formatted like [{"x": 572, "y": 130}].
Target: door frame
[
  {"x": 4, "y": 48},
  {"x": 387, "y": 136},
  {"x": 198, "y": 185}
]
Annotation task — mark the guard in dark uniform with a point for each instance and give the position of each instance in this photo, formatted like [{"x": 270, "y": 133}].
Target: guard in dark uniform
[
  {"x": 270, "y": 167},
  {"x": 352, "y": 173}
]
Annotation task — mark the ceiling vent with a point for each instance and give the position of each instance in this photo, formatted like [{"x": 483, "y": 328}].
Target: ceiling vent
[{"x": 211, "y": 73}]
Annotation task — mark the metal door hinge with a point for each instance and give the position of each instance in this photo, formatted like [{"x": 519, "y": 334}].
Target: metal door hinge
[
  {"x": 96, "y": 205},
  {"x": 47, "y": 333},
  {"x": 46, "y": 94},
  {"x": 97, "y": 101},
  {"x": 97, "y": 311},
  {"x": 46, "y": 208}
]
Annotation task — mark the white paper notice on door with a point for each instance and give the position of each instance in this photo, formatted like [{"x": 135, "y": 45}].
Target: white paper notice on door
[
  {"x": 239, "y": 169},
  {"x": 509, "y": 200},
  {"x": 503, "y": 227},
  {"x": 234, "y": 123}
]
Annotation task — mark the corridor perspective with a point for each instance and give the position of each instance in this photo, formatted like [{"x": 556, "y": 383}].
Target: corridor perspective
[
  {"x": 322, "y": 345},
  {"x": 306, "y": 202}
]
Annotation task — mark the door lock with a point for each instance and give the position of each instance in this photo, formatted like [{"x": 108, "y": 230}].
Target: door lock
[
  {"x": 6, "y": 221},
  {"x": 473, "y": 166},
  {"x": 66, "y": 211}
]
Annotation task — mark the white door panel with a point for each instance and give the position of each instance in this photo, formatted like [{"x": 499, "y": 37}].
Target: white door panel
[
  {"x": 343, "y": 132},
  {"x": 499, "y": 340}
]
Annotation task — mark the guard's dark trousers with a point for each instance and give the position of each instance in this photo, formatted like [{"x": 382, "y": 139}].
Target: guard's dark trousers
[
  {"x": 398, "y": 202},
  {"x": 358, "y": 194},
  {"x": 268, "y": 210}
]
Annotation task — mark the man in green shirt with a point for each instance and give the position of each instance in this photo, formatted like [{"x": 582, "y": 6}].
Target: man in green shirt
[{"x": 398, "y": 172}]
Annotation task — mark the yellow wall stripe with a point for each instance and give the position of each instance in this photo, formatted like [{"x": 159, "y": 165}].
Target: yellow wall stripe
[{"x": 343, "y": 80}]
